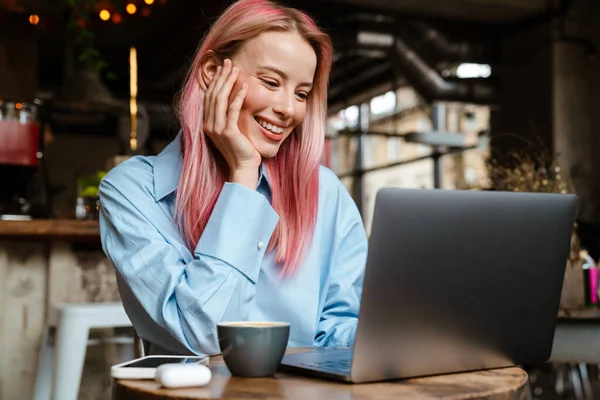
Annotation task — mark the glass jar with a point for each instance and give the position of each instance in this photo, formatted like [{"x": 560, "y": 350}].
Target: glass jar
[{"x": 19, "y": 134}]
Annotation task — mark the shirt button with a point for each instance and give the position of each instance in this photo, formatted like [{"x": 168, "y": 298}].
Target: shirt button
[{"x": 260, "y": 245}]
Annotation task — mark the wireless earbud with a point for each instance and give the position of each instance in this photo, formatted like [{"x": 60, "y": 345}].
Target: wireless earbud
[{"x": 183, "y": 375}]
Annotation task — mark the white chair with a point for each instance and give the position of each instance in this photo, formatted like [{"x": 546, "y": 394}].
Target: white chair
[
  {"x": 64, "y": 346},
  {"x": 140, "y": 346}
]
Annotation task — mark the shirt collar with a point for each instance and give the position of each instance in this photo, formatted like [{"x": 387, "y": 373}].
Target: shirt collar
[
  {"x": 263, "y": 176},
  {"x": 168, "y": 165},
  {"x": 167, "y": 169}
]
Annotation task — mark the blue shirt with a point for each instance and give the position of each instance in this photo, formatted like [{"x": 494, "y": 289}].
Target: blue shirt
[{"x": 175, "y": 297}]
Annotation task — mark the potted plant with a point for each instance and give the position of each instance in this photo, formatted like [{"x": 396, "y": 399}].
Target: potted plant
[
  {"x": 88, "y": 203},
  {"x": 534, "y": 170}
]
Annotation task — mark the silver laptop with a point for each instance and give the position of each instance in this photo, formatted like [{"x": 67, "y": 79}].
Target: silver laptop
[{"x": 455, "y": 281}]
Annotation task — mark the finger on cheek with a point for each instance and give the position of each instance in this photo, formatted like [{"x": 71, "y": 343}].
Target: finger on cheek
[{"x": 234, "y": 90}]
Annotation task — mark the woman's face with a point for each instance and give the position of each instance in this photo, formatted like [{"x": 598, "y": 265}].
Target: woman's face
[{"x": 279, "y": 68}]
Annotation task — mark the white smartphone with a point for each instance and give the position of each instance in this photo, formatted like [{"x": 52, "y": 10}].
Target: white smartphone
[{"x": 145, "y": 367}]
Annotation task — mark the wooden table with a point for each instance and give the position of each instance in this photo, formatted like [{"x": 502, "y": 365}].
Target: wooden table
[
  {"x": 582, "y": 314},
  {"x": 498, "y": 384},
  {"x": 51, "y": 229}
]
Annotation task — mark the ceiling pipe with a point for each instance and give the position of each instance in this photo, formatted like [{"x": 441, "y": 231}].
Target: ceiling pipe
[
  {"x": 364, "y": 52},
  {"x": 386, "y": 39},
  {"x": 429, "y": 37},
  {"x": 448, "y": 50},
  {"x": 357, "y": 79},
  {"x": 428, "y": 82},
  {"x": 365, "y": 17}
]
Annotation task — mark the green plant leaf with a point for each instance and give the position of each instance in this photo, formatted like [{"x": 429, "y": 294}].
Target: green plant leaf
[
  {"x": 100, "y": 65},
  {"x": 82, "y": 37},
  {"x": 88, "y": 185},
  {"x": 87, "y": 33},
  {"x": 89, "y": 191},
  {"x": 72, "y": 25},
  {"x": 89, "y": 53}
]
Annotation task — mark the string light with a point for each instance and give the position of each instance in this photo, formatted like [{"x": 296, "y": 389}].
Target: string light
[
  {"x": 131, "y": 8},
  {"x": 104, "y": 15},
  {"x": 116, "y": 18},
  {"x": 34, "y": 19}
]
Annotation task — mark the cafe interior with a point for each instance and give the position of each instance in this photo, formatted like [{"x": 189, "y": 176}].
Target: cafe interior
[{"x": 427, "y": 94}]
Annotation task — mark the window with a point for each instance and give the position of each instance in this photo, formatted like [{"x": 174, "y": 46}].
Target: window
[
  {"x": 464, "y": 170},
  {"x": 472, "y": 70},
  {"x": 383, "y": 104},
  {"x": 393, "y": 149},
  {"x": 343, "y": 119},
  {"x": 418, "y": 174},
  {"x": 350, "y": 116}
]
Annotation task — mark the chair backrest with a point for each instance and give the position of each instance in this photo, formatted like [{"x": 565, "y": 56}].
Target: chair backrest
[{"x": 140, "y": 346}]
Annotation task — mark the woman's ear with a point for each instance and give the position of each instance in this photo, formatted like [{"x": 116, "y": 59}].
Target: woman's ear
[{"x": 208, "y": 69}]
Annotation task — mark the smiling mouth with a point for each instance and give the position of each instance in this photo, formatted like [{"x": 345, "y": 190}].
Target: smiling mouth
[{"x": 274, "y": 129}]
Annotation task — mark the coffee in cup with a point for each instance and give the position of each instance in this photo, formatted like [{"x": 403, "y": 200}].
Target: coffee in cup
[{"x": 257, "y": 324}]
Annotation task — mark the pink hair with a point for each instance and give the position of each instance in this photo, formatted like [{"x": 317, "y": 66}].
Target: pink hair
[{"x": 293, "y": 172}]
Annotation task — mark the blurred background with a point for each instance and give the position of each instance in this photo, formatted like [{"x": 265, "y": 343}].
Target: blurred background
[{"x": 462, "y": 94}]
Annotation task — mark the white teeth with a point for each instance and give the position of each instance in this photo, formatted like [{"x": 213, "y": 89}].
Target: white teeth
[{"x": 272, "y": 128}]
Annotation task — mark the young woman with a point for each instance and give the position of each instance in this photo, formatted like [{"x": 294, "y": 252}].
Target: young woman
[{"x": 236, "y": 219}]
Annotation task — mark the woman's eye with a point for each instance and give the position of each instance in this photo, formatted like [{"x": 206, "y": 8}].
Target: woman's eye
[
  {"x": 270, "y": 83},
  {"x": 303, "y": 96}
]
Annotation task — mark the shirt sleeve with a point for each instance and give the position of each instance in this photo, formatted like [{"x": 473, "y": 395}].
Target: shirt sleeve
[
  {"x": 339, "y": 317},
  {"x": 175, "y": 301}
]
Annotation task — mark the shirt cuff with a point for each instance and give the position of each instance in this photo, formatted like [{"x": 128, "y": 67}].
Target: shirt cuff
[{"x": 239, "y": 229}]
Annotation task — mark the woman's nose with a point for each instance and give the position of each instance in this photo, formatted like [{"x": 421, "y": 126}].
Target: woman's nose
[{"x": 285, "y": 105}]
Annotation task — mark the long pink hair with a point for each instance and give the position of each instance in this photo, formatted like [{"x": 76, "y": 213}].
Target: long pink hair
[{"x": 293, "y": 172}]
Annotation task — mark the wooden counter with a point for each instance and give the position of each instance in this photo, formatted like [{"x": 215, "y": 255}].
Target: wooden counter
[
  {"x": 44, "y": 263},
  {"x": 50, "y": 229}
]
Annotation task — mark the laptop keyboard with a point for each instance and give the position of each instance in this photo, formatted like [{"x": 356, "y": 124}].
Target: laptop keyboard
[{"x": 330, "y": 365}]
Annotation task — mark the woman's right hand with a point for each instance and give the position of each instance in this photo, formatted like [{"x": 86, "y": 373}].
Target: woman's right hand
[{"x": 221, "y": 125}]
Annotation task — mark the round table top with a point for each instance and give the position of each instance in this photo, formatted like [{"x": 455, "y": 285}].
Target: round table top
[
  {"x": 579, "y": 314},
  {"x": 497, "y": 384}
]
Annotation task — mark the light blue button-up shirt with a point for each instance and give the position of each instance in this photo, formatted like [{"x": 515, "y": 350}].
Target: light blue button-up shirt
[{"x": 175, "y": 297}]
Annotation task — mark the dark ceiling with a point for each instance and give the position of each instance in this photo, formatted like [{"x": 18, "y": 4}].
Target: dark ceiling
[
  {"x": 487, "y": 11},
  {"x": 167, "y": 38}
]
